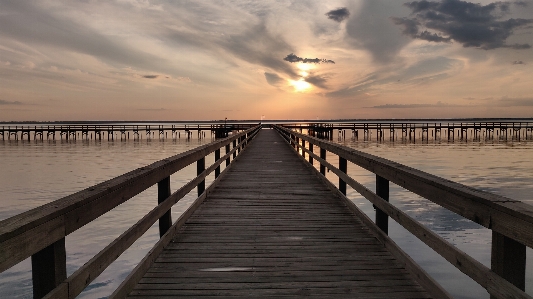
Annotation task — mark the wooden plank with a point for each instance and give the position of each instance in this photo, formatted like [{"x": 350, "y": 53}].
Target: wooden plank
[
  {"x": 495, "y": 285},
  {"x": 131, "y": 280},
  {"x": 507, "y": 216},
  {"x": 271, "y": 228}
]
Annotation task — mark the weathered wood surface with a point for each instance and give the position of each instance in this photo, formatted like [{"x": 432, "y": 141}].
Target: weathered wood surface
[{"x": 272, "y": 229}]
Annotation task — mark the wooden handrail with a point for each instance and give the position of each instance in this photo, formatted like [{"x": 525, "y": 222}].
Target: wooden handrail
[
  {"x": 36, "y": 232},
  {"x": 509, "y": 219}
]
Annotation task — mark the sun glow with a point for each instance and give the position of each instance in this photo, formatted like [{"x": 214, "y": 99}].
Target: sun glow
[{"x": 300, "y": 85}]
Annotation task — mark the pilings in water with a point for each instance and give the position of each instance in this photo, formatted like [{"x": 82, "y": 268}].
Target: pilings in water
[
  {"x": 119, "y": 132},
  {"x": 475, "y": 131}
]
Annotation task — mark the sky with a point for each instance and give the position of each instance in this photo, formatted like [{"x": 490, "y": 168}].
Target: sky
[{"x": 271, "y": 59}]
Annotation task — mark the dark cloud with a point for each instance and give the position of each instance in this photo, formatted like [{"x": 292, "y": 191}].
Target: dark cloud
[
  {"x": 273, "y": 79},
  {"x": 339, "y": 14},
  {"x": 518, "y": 62},
  {"x": 293, "y": 58},
  {"x": 4, "y": 102},
  {"x": 317, "y": 80},
  {"x": 470, "y": 24},
  {"x": 151, "y": 76}
]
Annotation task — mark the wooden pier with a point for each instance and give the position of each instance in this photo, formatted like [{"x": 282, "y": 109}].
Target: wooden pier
[
  {"x": 271, "y": 226},
  {"x": 407, "y": 130},
  {"x": 115, "y": 131}
]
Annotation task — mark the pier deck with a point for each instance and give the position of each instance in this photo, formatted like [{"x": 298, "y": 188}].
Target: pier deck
[{"x": 271, "y": 228}]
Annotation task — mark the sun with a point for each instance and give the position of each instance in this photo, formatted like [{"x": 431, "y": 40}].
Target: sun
[{"x": 300, "y": 85}]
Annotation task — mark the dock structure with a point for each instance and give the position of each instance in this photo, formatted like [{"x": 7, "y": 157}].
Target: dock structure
[
  {"x": 271, "y": 226},
  {"x": 116, "y": 131},
  {"x": 411, "y": 130}
]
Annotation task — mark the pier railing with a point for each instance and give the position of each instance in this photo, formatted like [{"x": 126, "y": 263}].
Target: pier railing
[
  {"x": 511, "y": 221},
  {"x": 40, "y": 233}
]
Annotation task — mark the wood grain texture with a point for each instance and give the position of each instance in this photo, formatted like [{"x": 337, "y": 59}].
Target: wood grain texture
[
  {"x": 507, "y": 216},
  {"x": 271, "y": 228}
]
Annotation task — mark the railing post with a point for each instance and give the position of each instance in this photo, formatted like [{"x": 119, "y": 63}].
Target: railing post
[
  {"x": 163, "y": 192},
  {"x": 49, "y": 268},
  {"x": 234, "y": 146},
  {"x": 508, "y": 259},
  {"x": 227, "y": 151},
  {"x": 343, "y": 166},
  {"x": 382, "y": 190},
  {"x": 200, "y": 167},
  {"x": 322, "y": 166},
  {"x": 311, "y": 150},
  {"x": 303, "y": 148},
  {"x": 217, "y": 157}
]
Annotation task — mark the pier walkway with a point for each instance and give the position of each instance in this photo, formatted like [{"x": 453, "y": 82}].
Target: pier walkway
[{"x": 271, "y": 228}]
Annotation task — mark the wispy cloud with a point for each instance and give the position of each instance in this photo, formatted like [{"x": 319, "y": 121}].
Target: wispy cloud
[
  {"x": 411, "y": 106},
  {"x": 518, "y": 62},
  {"x": 317, "y": 80},
  {"x": 515, "y": 102},
  {"x": 4, "y": 102},
  {"x": 273, "y": 79}
]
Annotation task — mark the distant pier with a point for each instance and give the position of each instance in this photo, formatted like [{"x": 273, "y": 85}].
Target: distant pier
[
  {"x": 122, "y": 132},
  {"x": 451, "y": 130}
]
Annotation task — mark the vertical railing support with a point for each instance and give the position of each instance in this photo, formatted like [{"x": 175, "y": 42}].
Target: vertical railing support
[
  {"x": 303, "y": 148},
  {"x": 227, "y": 151},
  {"x": 163, "y": 192},
  {"x": 323, "y": 156},
  {"x": 49, "y": 268},
  {"x": 382, "y": 190},
  {"x": 310, "y": 150},
  {"x": 508, "y": 259},
  {"x": 217, "y": 157},
  {"x": 343, "y": 166},
  {"x": 234, "y": 146},
  {"x": 200, "y": 167}
]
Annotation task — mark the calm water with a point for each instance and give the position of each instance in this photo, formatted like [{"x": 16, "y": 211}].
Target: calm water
[{"x": 34, "y": 173}]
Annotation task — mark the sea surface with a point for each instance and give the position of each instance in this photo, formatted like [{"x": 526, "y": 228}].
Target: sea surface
[{"x": 37, "y": 172}]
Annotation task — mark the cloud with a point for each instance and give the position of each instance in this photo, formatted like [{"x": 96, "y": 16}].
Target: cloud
[
  {"x": 420, "y": 73},
  {"x": 372, "y": 30},
  {"x": 150, "y": 76},
  {"x": 470, "y": 24},
  {"x": 151, "y": 109},
  {"x": 31, "y": 23},
  {"x": 317, "y": 80},
  {"x": 409, "y": 106},
  {"x": 4, "y": 102},
  {"x": 273, "y": 79},
  {"x": 515, "y": 102},
  {"x": 339, "y": 14},
  {"x": 293, "y": 58},
  {"x": 518, "y": 62}
]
